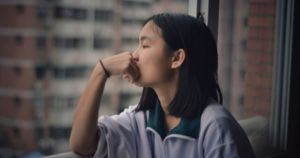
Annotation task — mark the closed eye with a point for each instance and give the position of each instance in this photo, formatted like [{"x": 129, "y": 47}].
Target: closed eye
[{"x": 145, "y": 46}]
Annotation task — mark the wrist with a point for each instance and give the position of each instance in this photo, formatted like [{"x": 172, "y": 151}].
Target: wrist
[
  {"x": 107, "y": 74},
  {"x": 98, "y": 72}
]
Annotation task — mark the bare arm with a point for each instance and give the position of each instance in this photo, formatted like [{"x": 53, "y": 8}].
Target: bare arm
[{"x": 84, "y": 136}]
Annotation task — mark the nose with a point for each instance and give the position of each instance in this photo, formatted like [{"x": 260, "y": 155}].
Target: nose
[{"x": 135, "y": 55}]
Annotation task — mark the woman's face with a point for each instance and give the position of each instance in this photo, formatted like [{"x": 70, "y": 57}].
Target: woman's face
[{"x": 152, "y": 59}]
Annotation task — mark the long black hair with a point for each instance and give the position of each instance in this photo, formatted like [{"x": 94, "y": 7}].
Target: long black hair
[{"x": 198, "y": 73}]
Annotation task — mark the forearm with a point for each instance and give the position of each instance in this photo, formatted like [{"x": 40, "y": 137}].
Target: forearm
[{"x": 84, "y": 136}]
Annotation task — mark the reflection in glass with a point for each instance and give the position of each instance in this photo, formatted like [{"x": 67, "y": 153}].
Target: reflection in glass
[{"x": 246, "y": 52}]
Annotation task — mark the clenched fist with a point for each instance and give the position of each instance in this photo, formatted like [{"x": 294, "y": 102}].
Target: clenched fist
[{"x": 122, "y": 64}]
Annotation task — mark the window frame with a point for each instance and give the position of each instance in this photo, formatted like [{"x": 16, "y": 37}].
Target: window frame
[{"x": 285, "y": 85}]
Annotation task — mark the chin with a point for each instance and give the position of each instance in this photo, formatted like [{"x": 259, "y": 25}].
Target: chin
[{"x": 140, "y": 83}]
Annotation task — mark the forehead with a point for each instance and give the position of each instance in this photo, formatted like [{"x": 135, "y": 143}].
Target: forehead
[{"x": 150, "y": 30}]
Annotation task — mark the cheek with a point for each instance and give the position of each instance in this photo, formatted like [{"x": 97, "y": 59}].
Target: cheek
[{"x": 153, "y": 68}]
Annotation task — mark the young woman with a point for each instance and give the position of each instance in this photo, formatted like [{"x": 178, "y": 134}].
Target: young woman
[{"x": 179, "y": 114}]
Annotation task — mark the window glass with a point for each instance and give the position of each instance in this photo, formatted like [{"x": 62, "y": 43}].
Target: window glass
[
  {"x": 41, "y": 42},
  {"x": 65, "y": 12},
  {"x": 69, "y": 42},
  {"x": 246, "y": 37},
  {"x": 101, "y": 43},
  {"x": 103, "y": 15},
  {"x": 70, "y": 72}
]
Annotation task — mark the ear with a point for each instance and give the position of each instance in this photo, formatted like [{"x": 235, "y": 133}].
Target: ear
[{"x": 178, "y": 58}]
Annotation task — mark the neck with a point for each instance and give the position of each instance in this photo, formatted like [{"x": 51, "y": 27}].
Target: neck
[
  {"x": 165, "y": 97},
  {"x": 165, "y": 93}
]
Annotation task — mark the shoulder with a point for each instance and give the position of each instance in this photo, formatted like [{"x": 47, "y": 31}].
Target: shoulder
[
  {"x": 217, "y": 118},
  {"x": 214, "y": 112},
  {"x": 126, "y": 117},
  {"x": 221, "y": 132},
  {"x": 127, "y": 112},
  {"x": 218, "y": 123}
]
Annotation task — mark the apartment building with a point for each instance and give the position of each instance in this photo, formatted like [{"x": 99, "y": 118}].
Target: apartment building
[{"x": 47, "y": 51}]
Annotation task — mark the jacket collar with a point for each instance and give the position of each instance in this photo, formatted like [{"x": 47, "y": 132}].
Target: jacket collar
[{"x": 186, "y": 127}]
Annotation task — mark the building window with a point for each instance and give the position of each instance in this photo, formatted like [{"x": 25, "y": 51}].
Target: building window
[
  {"x": 136, "y": 4},
  {"x": 18, "y": 70},
  {"x": 41, "y": 42},
  {"x": 20, "y": 8},
  {"x": 40, "y": 72},
  {"x": 242, "y": 73},
  {"x": 62, "y": 13},
  {"x": 243, "y": 45},
  {"x": 60, "y": 132},
  {"x": 60, "y": 103},
  {"x": 70, "y": 13},
  {"x": 79, "y": 14},
  {"x": 101, "y": 43},
  {"x": 17, "y": 101},
  {"x": 130, "y": 40},
  {"x": 103, "y": 15},
  {"x": 241, "y": 100},
  {"x": 71, "y": 72},
  {"x": 18, "y": 39},
  {"x": 16, "y": 131},
  {"x": 133, "y": 21},
  {"x": 69, "y": 42},
  {"x": 59, "y": 73},
  {"x": 42, "y": 12},
  {"x": 71, "y": 102}
]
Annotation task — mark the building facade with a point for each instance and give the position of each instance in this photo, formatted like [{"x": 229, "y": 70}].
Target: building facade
[{"x": 47, "y": 51}]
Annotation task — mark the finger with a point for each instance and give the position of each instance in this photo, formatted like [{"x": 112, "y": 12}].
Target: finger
[
  {"x": 134, "y": 71},
  {"x": 127, "y": 77},
  {"x": 130, "y": 53}
]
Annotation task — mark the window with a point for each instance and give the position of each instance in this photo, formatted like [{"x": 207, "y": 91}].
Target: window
[
  {"x": 100, "y": 43},
  {"x": 16, "y": 132},
  {"x": 136, "y": 4},
  {"x": 132, "y": 21},
  {"x": 41, "y": 42},
  {"x": 17, "y": 101},
  {"x": 70, "y": 13},
  {"x": 18, "y": 69},
  {"x": 40, "y": 71},
  {"x": 69, "y": 42},
  {"x": 42, "y": 12},
  {"x": 60, "y": 132},
  {"x": 39, "y": 103},
  {"x": 62, "y": 103},
  {"x": 103, "y": 15},
  {"x": 254, "y": 44},
  {"x": 130, "y": 40},
  {"x": 246, "y": 48},
  {"x": 19, "y": 39},
  {"x": 79, "y": 14},
  {"x": 70, "y": 72},
  {"x": 20, "y": 8}
]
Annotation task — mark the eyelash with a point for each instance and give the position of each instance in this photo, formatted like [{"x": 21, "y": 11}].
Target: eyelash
[{"x": 145, "y": 46}]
